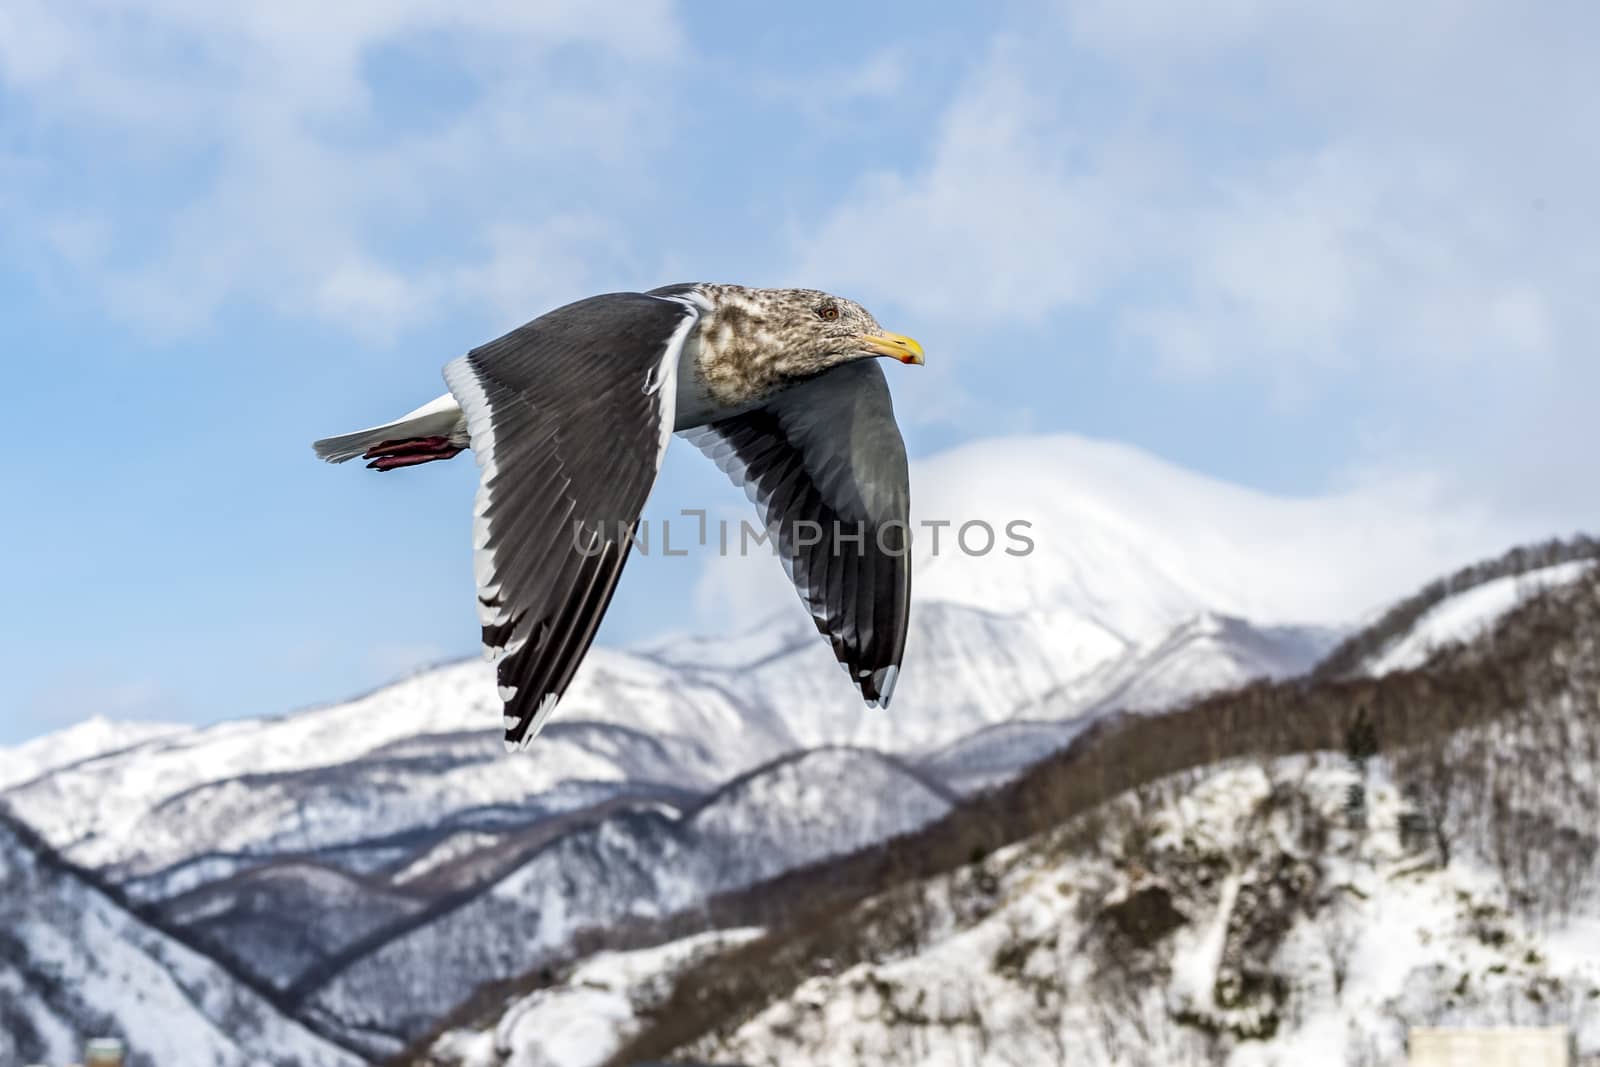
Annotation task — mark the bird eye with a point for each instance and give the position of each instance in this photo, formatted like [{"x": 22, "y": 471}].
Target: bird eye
[{"x": 828, "y": 312}]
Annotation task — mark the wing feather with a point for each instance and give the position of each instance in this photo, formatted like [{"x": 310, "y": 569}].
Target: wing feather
[
  {"x": 568, "y": 416},
  {"x": 828, "y": 452}
]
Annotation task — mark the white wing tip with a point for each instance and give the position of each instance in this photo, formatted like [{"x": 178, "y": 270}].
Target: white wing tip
[
  {"x": 535, "y": 724},
  {"x": 884, "y": 681}
]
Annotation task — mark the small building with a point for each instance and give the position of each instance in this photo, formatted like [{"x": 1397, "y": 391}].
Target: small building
[
  {"x": 103, "y": 1052},
  {"x": 1500, "y": 1046}
]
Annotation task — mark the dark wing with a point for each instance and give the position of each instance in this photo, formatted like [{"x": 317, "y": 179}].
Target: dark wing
[
  {"x": 569, "y": 416},
  {"x": 825, "y": 465}
]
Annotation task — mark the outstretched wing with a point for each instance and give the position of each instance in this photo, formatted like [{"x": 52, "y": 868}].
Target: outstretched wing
[
  {"x": 569, "y": 417},
  {"x": 825, "y": 466}
]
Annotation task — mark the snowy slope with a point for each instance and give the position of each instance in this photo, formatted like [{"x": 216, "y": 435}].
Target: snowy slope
[
  {"x": 824, "y": 802},
  {"x": 424, "y": 746},
  {"x": 1467, "y": 614},
  {"x": 582, "y": 1020},
  {"x": 965, "y": 666},
  {"x": 792, "y": 812},
  {"x": 73, "y": 965},
  {"x": 422, "y": 755},
  {"x": 1206, "y": 654},
  {"x": 279, "y": 920},
  {"x": 1233, "y": 936},
  {"x": 1210, "y": 653}
]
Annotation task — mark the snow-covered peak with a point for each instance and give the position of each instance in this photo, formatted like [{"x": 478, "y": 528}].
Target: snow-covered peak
[
  {"x": 1140, "y": 544},
  {"x": 1104, "y": 536}
]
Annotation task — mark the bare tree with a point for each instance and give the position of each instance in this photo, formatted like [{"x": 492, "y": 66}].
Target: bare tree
[{"x": 1431, "y": 779}]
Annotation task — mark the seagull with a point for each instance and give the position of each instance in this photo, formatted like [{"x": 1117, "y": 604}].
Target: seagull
[{"x": 569, "y": 417}]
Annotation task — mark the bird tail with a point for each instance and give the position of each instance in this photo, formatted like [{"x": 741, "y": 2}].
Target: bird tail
[{"x": 436, "y": 430}]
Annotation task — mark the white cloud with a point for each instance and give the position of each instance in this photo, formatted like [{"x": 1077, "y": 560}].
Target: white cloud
[
  {"x": 1298, "y": 198},
  {"x": 1348, "y": 253},
  {"x": 208, "y": 153},
  {"x": 373, "y": 297},
  {"x": 544, "y": 264},
  {"x": 1339, "y": 229},
  {"x": 998, "y": 223},
  {"x": 830, "y": 96}
]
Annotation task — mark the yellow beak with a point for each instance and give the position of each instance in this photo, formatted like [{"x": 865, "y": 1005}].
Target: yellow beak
[{"x": 894, "y": 345}]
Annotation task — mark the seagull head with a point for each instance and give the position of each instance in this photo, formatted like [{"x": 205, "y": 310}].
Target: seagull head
[
  {"x": 823, "y": 330},
  {"x": 756, "y": 342}
]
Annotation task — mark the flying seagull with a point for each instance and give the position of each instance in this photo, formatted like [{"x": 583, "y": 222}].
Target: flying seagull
[{"x": 570, "y": 415}]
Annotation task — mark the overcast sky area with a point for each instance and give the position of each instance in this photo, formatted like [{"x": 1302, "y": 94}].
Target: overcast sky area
[{"x": 1301, "y": 252}]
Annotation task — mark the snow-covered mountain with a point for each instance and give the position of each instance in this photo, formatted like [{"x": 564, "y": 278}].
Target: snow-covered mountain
[
  {"x": 75, "y": 964},
  {"x": 343, "y": 853},
  {"x": 1230, "y": 934},
  {"x": 309, "y": 781},
  {"x": 288, "y": 844},
  {"x": 328, "y": 851},
  {"x": 1307, "y": 908},
  {"x": 1125, "y": 546}
]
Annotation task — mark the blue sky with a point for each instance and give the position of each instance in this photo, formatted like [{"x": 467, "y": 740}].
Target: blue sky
[{"x": 1293, "y": 247}]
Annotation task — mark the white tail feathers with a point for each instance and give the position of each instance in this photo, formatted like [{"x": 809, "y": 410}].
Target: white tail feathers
[{"x": 437, "y": 418}]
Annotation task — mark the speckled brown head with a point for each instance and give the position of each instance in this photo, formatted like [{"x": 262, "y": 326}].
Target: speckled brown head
[{"x": 755, "y": 342}]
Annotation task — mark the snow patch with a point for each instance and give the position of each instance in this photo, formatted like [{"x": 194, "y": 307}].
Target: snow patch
[{"x": 1467, "y": 615}]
